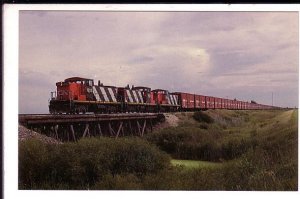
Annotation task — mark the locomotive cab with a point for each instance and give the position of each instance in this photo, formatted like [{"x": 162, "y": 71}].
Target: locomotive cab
[
  {"x": 165, "y": 101},
  {"x": 74, "y": 88},
  {"x": 160, "y": 96},
  {"x": 68, "y": 92}
]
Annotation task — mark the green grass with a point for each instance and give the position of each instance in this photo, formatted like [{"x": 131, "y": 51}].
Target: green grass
[
  {"x": 195, "y": 164},
  {"x": 294, "y": 118},
  {"x": 258, "y": 150}
]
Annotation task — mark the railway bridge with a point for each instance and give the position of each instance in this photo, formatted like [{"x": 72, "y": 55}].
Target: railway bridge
[{"x": 74, "y": 127}]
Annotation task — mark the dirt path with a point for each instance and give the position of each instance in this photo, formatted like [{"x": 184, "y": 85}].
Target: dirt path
[
  {"x": 171, "y": 119},
  {"x": 285, "y": 117}
]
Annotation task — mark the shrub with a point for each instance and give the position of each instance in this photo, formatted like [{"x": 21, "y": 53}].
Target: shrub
[
  {"x": 118, "y": 182},
  {"x": 32, "y": 163},
  {"x": 138, "y": 156},
  {"x": 203, "y": 126},
  {"x": 196, "y": 144},
  {"x": 181, "y": 179},
  {"x": 235, "y": 148},
  {"x": 202, "y": 117},
  {"x": 81, "y": 165},
  {"x": 188, "y": 143}
]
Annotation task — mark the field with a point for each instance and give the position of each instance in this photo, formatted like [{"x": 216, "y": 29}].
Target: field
[{"x": 211, "y": 150}]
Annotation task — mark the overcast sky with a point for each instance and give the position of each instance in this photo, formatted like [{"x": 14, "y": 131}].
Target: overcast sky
[{"x": 242, "y": 55}]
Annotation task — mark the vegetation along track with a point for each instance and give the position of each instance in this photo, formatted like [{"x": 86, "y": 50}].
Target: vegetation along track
[{"x": 233, "y": 150}]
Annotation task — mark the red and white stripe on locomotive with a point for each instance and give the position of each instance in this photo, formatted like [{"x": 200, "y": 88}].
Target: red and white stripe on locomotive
[{"x": 76, "y": 94}]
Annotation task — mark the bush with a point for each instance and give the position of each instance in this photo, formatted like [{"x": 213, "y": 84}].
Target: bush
[
  {"x": 81, "y": 165},
  {"x": 196, "y": 144},
  {"x": 138, "y": 156},
  {"x": 32, "y": 163},
  {"x": 179, "y": 178},
  {"x": 202, "y": 117},
  {"x": 118, "y": 182},
  {"x": 203, "y": 126},
  {"x": 235, "y": 148},
  {"x": 187, "y": 143}
]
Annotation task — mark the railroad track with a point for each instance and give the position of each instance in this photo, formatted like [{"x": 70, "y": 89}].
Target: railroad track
[{"x": 65, "y": 118}]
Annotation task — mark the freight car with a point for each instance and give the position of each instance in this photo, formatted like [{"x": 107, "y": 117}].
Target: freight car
[{"x": 80, "y": 95}]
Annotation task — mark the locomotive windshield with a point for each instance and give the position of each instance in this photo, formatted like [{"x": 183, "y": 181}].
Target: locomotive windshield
[{"x": 79, "y": 80}]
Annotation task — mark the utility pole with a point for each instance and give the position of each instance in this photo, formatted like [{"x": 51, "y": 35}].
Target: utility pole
[{"x": 272, "y": 98}]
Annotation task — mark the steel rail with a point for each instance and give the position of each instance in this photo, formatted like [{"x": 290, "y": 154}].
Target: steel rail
[{"x": 48, "y": 118}]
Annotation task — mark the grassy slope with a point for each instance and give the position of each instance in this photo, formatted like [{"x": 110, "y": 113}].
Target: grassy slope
[
  {"x": 269, "y": 165},
  {"x": 245, "y": 124}
]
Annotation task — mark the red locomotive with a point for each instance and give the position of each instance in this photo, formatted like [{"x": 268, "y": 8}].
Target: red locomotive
[{"x": 81, "y": 95}]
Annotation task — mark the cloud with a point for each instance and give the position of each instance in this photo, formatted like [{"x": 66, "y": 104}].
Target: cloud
[
  {"x": 34, "y": 91},
  {"x": 240, "y": 54},
  {"x": 142, "y": 59}
]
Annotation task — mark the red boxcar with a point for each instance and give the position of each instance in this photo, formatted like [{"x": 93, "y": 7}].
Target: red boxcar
[
  {"x": 191, "y": 101},
  {"x": 230, "y": 106},
  {"x": 210, "y": 102},
  {"x": 239, "y": 105},
  {"x": 223, "y": 103},
  {"x": 218, "y": 103},
  {"x": 182, "y": 100},
  {"x": 254, "y": 106},
  {"x": 226, "y": 103},
  {"x": 233, "y": 104},
  {"x": 257, "y": 106},
  {"x": 199, "y": 101},
  {"x": 186, "y": 100},
  {"x": 242, "y": 105},
  {"x": 245, "y": 105},
  {"x": 248, "y": 106},
  {"x": 260, "y": 106},
  {"x": 236, "y": 104}
]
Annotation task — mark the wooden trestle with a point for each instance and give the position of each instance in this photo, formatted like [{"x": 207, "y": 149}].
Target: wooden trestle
[{"x": 74, "y": 127}]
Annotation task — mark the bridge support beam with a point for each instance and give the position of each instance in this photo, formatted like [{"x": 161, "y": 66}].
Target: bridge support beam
[{"x": 73, "y": 128}]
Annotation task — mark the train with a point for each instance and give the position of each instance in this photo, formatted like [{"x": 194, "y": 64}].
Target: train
[{"x": 77, "y": 95}]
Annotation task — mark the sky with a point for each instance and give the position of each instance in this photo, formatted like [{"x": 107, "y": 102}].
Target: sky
[{"x": 242, "y": 55}]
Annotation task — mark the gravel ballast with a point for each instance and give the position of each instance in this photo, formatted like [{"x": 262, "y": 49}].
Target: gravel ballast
[{"x": 25, "y": 134}]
